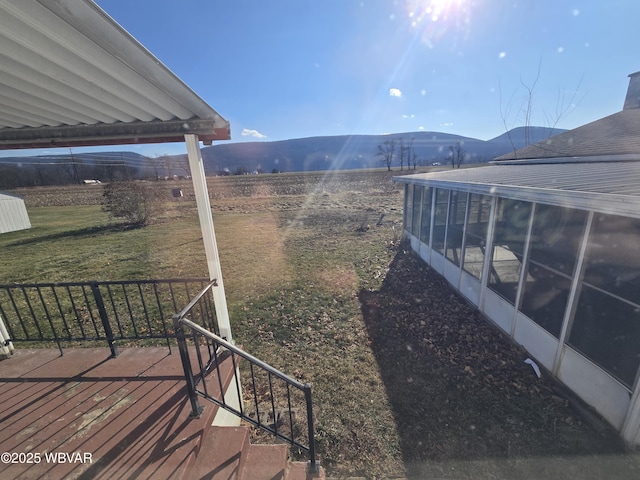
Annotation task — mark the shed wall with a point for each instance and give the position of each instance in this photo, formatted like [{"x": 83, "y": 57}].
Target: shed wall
[{"x": 13, "y": 214}]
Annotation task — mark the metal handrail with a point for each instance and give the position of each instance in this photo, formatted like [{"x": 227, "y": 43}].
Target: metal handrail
[
  {"x": 108, "y": 311},
  {"x": 247, "y": 356},
  {"x": 217, "y": 347}
]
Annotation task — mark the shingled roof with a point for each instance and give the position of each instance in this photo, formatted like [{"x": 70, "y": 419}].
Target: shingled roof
[{"x": 616, "y": 137}]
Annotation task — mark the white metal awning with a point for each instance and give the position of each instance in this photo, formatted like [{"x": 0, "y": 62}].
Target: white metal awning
[{"x": 71, "y": 76}]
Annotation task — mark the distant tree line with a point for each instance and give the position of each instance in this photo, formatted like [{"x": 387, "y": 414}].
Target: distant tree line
[
  {"x": 47, "y": 174},
  {"x": 74, "y": 170}
]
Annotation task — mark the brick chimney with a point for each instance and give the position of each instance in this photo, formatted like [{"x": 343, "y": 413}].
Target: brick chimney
[{"x": 633, "y": 92}]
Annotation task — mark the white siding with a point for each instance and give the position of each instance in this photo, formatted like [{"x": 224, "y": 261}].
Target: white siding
[{"x": 13, "y": 214}]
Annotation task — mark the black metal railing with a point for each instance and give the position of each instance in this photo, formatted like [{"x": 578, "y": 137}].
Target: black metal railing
[
  {"x": 278, "y": 404},
  {"x": 113, "y": 311}
]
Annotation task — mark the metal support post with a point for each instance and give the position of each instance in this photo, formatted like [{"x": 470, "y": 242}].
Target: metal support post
[
  {"x": 196, "y": 408},
  {"x": 208, "y": 234},
  {"x": 312, "y": 468},
  {"x": 95, "y": 289}
]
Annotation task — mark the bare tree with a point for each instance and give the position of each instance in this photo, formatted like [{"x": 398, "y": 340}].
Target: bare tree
[
  {"x": 386, "y": 151},
  {"x": 528, "y": 104},
  {"x": 457, "y": 154},
  {"x": 70, "y": 167},
  {"x": 412, "y": 157},
  {"x": 525, "y": 111},
  {"x": 563, "y": 107},
  {"x": 181, "y": 163},
  {"x": 403, "y": 151},
  {"x": 504, "y": 114},
  {"x": 138, "y": 203},
  {"x": 156, "y": 164}
]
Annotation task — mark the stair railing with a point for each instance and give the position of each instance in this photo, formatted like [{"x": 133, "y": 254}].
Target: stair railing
[{"x": 273, "y": 396}]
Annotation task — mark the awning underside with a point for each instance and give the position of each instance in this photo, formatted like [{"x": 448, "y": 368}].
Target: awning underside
[
  {"x": 71, "y": 76},
  {"x": 111, "y": 134}
]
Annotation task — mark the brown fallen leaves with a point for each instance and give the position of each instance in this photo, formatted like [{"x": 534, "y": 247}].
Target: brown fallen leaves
[{"x": 459, "y": 387}]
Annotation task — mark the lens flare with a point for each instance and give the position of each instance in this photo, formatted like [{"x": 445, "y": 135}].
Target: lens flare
[{"x": 435, "y": 18}]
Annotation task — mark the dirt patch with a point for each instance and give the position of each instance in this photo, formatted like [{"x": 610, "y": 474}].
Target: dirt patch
[
  {"x": 254, "y": 261},
  {"x": 339, "y": 281}
]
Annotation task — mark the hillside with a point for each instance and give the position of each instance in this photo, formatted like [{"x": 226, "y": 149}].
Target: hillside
[
  {"x": 359, "y": 151},
  {"x": 331, "y": 153},
  {"x": 295, "y": 155}
]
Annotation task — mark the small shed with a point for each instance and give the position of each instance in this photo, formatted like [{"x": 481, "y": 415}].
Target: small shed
[
  {"x": 13, "y": 213},
  {"x": 546, "y": 243}
]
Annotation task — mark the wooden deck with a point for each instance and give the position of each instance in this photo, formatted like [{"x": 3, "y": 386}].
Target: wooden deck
[{"x": 85, "y": 415}]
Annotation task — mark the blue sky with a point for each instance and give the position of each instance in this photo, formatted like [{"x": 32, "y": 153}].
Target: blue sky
[{"x": 280, "y": 69}]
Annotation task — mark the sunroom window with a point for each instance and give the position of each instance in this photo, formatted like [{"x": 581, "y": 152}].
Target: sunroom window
[
  {"x": 553, "y": 250},
  {"x": 606, "y": 326},
  {"x": 511, "y": 224}
]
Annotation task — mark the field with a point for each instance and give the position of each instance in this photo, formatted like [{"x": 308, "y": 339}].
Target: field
[{"x": 409, "y": 381}]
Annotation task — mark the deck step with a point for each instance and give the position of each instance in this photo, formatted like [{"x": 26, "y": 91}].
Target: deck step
[
  {"x": 226, "y": 454},
  {"x": 298, "y": 471},
  {"x": 222, "y": 454},
  {"x": 130, "y": 413},
  {"x": 266, "y": 462}
]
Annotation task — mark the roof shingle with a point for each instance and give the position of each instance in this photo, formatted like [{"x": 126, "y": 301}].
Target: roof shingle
[{"x": 617, "y": 134}]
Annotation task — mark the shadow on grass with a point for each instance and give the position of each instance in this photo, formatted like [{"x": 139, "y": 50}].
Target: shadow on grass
[
  {"x": 459, "y": 389},
  {"x": 78, "y": 233}
]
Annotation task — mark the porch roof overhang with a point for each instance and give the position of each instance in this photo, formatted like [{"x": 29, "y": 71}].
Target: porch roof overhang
[{"x": 72, "y": 76}]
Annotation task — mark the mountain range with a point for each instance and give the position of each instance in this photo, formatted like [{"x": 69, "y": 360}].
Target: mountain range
[
  {"x": 295, "y": 155},
  {"x": 360, "y": 151}
]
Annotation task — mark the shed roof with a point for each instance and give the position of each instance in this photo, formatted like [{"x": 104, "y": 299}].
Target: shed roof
[
  {"x": 72, "y": 76},
  {"x": 6, "y": 196}
]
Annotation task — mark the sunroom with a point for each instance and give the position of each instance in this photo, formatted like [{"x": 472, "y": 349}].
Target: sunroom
[{"x": 548, "y": 248}]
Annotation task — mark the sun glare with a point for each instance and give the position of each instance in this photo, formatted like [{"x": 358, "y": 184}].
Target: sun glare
[
  {"x": 436, "y": 17},
  {"x": 434, "y": 10}
]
